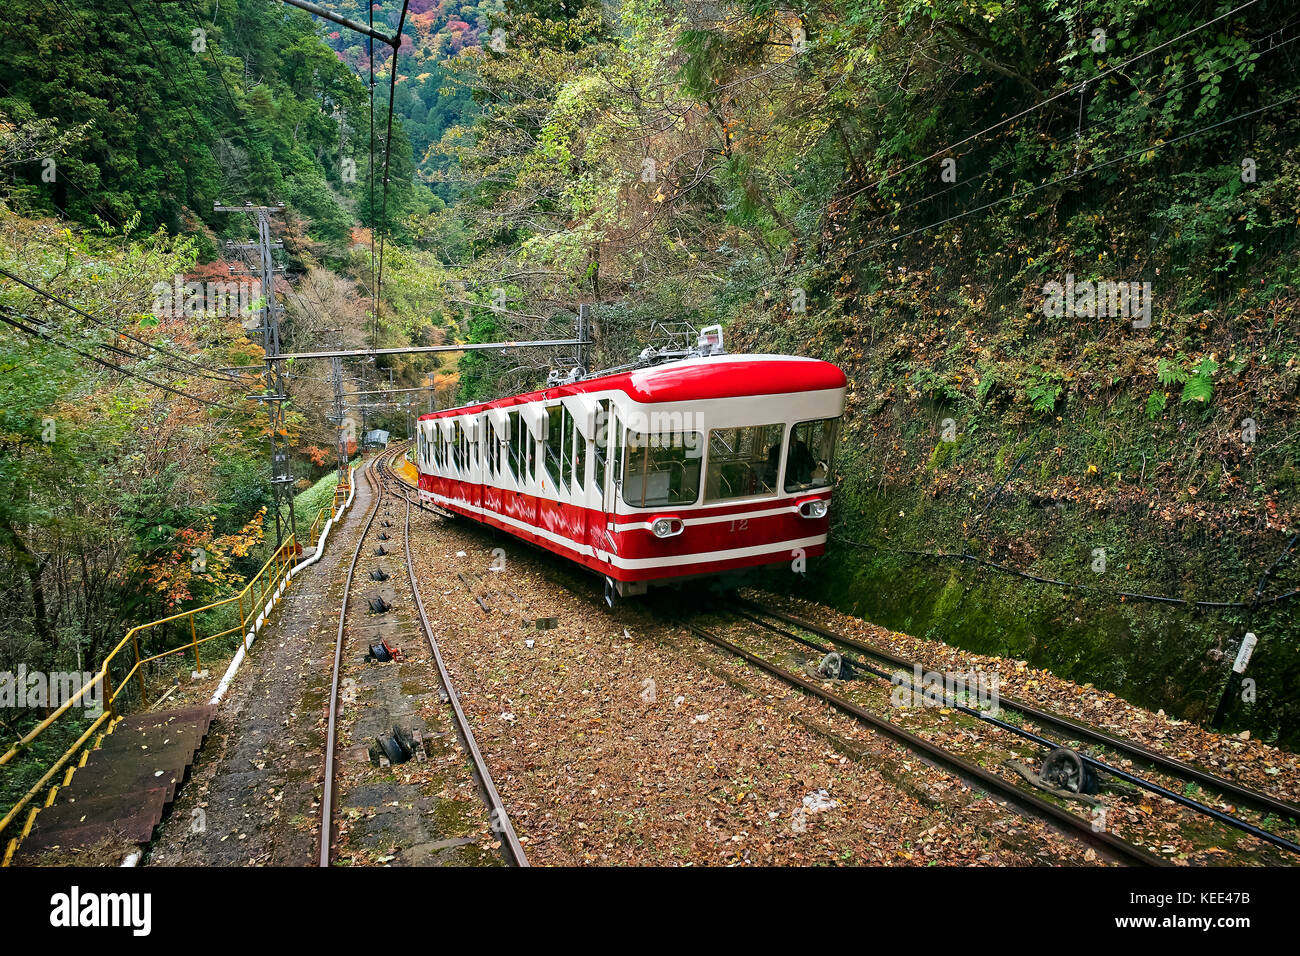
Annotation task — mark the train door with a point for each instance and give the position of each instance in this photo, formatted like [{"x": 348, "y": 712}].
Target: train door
[
  {"x": 612, "y": 478},
  {"x": 480, "y": 446},
  {"x": 597, "y": 497},
  {"x": 495, "y": 427},
  {"x": 515, "y": 502},
  {"x": 533, "y": 418},
  {"x": 555, "y": 472},
  {"x": 537, "y": 462}
]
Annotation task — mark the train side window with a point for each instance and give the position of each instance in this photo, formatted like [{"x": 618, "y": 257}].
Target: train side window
[
  {"x": 554, "y": 447},
  {"x": 527, "y": 460},
  {"x": 743, "y": 462},
  {"x": 601, "y": 446},
  {"x": 812, "y": 453},
  {"x": 516, "y": 442},
  {"x": 566, "y": 452},
  {"x": 662, "y": 469},
  {"x": 616, "y": 456},
  {"x": 579, "y": 459}
]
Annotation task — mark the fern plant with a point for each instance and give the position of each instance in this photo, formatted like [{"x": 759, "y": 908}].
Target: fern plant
[
  {"x": 1171, "y": 372},
  {"x": 1197, "y": 381},
  {"x": 1043, "y": 396},
  {"x": 1199, "y": 385}
]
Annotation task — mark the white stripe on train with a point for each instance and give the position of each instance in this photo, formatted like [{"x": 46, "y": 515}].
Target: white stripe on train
[{"x": 633, "y": 564}]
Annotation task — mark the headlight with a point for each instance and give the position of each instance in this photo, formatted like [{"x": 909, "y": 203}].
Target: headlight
[
  {"x": 816, "y": 508},
  {"x": 666, "y": 527}
]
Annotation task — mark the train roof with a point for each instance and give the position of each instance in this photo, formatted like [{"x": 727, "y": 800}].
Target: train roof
[{"x": 694, "y": 379}]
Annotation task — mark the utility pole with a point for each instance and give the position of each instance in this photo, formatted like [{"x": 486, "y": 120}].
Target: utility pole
[
  {"x": 584, "y": 315},
  {"x": 341, "y": 438},
  {"x": 276, "y": 394},
  {"x": 365, "y": 427}
]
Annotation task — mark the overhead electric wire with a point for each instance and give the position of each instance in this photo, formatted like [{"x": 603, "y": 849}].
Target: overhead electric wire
[
  {"x": 1110, "y": 113},
  {"x": 1072, "y": 175},
  {"x": 38, "y": 333},
  {"x": 202, "y": 369},
  {"x": 194, "y": 10},
  {"x": 1039, "y": 105},
  {"x": 1076, "y": 586},
  {"x": 370, "y": 62},
  {"x": 163, "y": 64}
]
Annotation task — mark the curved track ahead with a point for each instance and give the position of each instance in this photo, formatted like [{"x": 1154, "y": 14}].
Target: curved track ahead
[{"x": 383, "y": 481}]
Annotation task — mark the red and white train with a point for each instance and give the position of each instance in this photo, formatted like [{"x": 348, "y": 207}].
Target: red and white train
[{"x": 701, "y": 466}]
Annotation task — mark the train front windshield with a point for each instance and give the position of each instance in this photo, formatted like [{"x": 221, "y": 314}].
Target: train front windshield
[{"x": 811, "y": 455}]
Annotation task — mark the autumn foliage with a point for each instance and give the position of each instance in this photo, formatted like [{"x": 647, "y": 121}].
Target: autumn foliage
[
  {"x": 316, "y": 455},
  {"x": 200, "y": 564}
]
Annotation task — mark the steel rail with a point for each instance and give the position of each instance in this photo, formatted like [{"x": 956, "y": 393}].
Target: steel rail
[
  {"x": 500, "y": 818},
  {"x": 1261, "y": 801},
  {"x": 950, "y": 761},
  {"x": 327, "y": 800},
  {"x": 1188, "y": 802}
]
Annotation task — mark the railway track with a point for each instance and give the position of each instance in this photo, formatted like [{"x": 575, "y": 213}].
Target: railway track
[
  {"x": 1172, "y": 774},
  {"x": 388, "y": 489},
  {"x": 1261, "y": 802},
  {"x": 762, "y": 651}
]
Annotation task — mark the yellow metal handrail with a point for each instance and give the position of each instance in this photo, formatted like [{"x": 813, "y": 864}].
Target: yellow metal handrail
[{"x": 252, "y": 601}]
